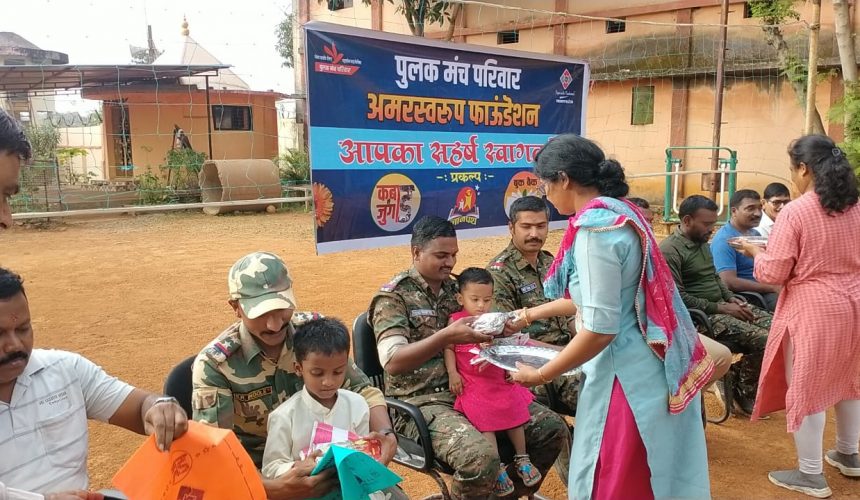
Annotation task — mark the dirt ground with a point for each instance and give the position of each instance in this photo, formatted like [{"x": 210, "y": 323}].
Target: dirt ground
[{"x": 138, "y": 294}]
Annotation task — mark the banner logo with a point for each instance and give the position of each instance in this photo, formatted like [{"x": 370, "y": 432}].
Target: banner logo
[
  {"x": 394, "y": 202},
  {"x": 566, "y": 79},
  {"x": 522, "y": 184},
  {"x": 334, "y": 63},
  {"x": 465, "y": 207}
]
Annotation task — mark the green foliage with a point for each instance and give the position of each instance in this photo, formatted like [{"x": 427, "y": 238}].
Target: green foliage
[
  {"x": 151, "y": 189},
  {"x": 44, "y": 140},
  {"x": 794, "y": 70},
  {"x": 65, "y": 155},
  {"x": 420, "y": 13},
  {"x": 847, "y": 109},
  {"x": 182, "y": 167},
  {"x": 774, "y": 11},
  {"x": 285, "y": 44},
  {"x": 187, "y": 159},
  {"x": 294, "y": 165}
]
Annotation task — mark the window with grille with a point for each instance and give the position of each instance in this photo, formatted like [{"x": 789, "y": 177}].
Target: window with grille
[
  {"x": 232, "y": 117},
  {"x": 339, "y": 4},
  {"x": 505, "y": 37},
  {"x": 616, "y": 26},
  {"x": 643, "y": 105}
]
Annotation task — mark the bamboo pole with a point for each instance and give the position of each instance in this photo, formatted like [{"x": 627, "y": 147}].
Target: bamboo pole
[{"x": 718, "y": 98}]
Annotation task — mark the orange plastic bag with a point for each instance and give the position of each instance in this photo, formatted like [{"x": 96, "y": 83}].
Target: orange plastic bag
[{"x": 206, "y": 463}]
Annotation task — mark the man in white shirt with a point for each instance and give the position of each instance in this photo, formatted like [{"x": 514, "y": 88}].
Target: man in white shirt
[
  {"x": 776, "y": 196},
  {"x": 46, "y": 398}
]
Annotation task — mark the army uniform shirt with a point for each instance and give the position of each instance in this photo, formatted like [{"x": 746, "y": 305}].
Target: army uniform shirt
[
  {"x": 406, "y": 310},
  {"x": 518, "y": 284},
  {"x": 235, "y": 386}
]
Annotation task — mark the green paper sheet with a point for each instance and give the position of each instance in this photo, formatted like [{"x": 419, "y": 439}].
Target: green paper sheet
[{"x": 359, "y": 474}]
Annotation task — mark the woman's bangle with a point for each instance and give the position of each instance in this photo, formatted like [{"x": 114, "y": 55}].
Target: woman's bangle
[
  {"x": 542, "y": 378},
  {"x": 526, "y": 316}
]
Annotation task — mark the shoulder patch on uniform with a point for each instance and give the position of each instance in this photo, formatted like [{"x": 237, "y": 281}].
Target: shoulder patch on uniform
[
  {"x": 300, "y": 318},
  {"x": 499, "y": 261},
  {"x": 391, "y": 285},
  {"x": 223, "y": 348},
  {"x": 217, "y": 352}
]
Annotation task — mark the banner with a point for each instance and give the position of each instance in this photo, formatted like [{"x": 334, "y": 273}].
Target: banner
[{"x": 401, "y": 127}]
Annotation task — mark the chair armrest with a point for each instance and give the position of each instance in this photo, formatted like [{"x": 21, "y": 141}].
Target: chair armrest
[
  {"x": 700, "y": 318},
  {"x": 412, "y": 412},
  {"x": 754, "y": 298}
]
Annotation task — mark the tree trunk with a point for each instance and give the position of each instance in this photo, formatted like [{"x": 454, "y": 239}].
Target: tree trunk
[
  {"x": 847, "y": 55},
  {"x": 411, "y": 18},
  {"x": 845, "y": 42},
  {"x": 455, "y": 13},
  {"x": 783, "y": 56}
]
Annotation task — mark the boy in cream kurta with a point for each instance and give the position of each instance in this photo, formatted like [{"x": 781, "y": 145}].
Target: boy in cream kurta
[{"x": 321, "y": 348}]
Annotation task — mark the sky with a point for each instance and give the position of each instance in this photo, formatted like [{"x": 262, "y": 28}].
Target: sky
[{"x": 239, "y": 33}]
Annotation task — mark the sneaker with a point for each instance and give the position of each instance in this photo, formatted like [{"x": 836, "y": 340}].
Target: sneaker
[
  {"x": 813, "y": 485},
  {"x": 848, "y": 465}
]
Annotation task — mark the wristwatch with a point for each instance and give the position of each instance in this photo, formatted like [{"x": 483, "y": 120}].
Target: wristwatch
[{"x": 166, "y": 399}]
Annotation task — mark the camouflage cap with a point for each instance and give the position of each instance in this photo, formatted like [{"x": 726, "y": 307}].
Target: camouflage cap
[{"x": 261, "y": 283}]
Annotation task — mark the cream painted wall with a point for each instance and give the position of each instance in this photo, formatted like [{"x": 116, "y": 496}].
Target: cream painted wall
[{"x": 760, "y": 116}]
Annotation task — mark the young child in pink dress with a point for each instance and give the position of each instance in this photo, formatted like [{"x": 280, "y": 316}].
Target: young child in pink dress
[{"x": 484, "y": 394}]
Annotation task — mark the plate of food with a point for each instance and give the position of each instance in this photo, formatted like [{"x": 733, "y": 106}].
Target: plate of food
[
  {"x": 506, "y": 357},
  {"x": 737, "y": 241}
]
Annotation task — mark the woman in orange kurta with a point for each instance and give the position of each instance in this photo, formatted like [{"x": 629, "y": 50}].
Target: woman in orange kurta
[{"x": 812, "y": 360}]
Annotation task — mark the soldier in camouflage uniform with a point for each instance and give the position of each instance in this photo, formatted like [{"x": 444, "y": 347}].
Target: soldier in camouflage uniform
[
  {"x": 248, "y": 370},
  {"x": 409, "y": 315},
  {"x": 736, "y": 323},
  {"x": 518, "y": 273}
]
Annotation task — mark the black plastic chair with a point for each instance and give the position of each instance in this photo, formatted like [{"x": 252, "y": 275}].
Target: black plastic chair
[
  {"x": 726, "y": 387},
  {"x": 416, "y": 455},
  {"x": 754, "y": 298},
  {"x": 178, "y": 383}
]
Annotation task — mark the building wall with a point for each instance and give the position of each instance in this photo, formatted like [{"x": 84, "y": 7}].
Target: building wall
[
  {"x": 89, "y": 138},
  {"x": 152, "y": 117},
  {"x": 24, "y": 105},
  {"x": 761, "y": 114},
  {"x": 289, "y": 132}
]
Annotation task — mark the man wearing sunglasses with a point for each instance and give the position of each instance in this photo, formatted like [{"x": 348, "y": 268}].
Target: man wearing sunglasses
[{"x": 776, "y": 196}]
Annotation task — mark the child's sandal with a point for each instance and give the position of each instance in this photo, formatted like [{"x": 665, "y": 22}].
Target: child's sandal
[
  {"x": 504, "y": 486},
  {"x": 526, "y": 470}
]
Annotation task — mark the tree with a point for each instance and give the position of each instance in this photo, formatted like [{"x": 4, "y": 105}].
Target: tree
[
  {"x": 419, "y": 13},
  {"x": 845, "y": 42},
  {"x": 848, "y": 108},
  {"x": 773, "y": 13},
  {"x": 284, "y": 32}
]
